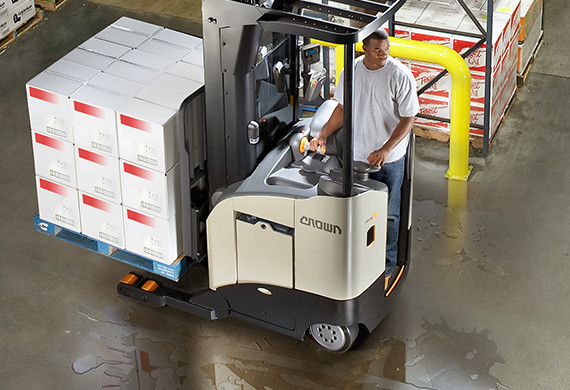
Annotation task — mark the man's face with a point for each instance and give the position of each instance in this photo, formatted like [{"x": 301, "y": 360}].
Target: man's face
[{"x": 376, "y": 53}]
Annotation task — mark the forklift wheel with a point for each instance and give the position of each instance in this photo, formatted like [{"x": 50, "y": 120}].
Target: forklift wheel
[{"x": 333, "y": 337}]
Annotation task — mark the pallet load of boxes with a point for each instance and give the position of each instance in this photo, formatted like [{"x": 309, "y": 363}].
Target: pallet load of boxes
[
  {"x": 14, "y": 14},
  {"x": 104, "y": 126},
  {"x": 516, "y": 31}
]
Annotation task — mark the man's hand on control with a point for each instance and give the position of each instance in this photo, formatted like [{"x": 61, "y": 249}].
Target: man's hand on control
[
  {"x": 378, "y": 157},
  {"x": 316, "y": 142}
]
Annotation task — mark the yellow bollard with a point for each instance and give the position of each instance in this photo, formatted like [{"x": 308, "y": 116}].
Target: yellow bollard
[{"x": 459, "y": 168}]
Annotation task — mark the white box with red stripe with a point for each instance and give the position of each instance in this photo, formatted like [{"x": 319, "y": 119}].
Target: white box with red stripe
[
  {"x": 58, "y": 204},
  {"x": 53, "y": 159},
  {"x": 147, "y": 134},
  {"x": 49, "y": 105},
  {"x": 152, "y": 237},
  {"x": 150, "y": 191},
  {"x": 104, "y": 219},
  {"x": 98, "y": 174}
]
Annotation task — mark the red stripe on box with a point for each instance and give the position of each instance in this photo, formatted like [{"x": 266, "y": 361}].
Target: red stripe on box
[
  {"x": 97, "y": 203},
  {"x": 135, "y": 123},
  {"x": 93, "y": 157},
  {"x": 140, "y": 218},
  {"x": 53, "y": 187},
  {"x": 50, "y": 142},
  {"x": 89, "y": 110},
  {"x": 44, "y": 95},
  {"x": 137, "y": 171}
]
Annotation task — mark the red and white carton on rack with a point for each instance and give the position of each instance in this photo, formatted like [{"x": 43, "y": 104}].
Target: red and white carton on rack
[
  {"x": 430, "y": 36},
  {"x": 102, "y": 220},
  {"x": 411, "y": 11},
  {"x": 53, "y": 159},
  {"x": 432, "y": 105},
  {"x": 49, "y": 105},
  {"x": 152, "y": 237},
  {"x": 94, "y": 119},
  {"x": 98, "y": 174},
  {"x": 442, "y": 16},
  {"x": 424, "y": 73},
  {"x": 150, "y": 191},
  {"x": 58, "y": 204},
  {"x": 147, "y": 134}
]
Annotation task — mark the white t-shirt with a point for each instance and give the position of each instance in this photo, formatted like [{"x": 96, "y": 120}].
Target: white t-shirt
[{"x": 381, "y": 98}]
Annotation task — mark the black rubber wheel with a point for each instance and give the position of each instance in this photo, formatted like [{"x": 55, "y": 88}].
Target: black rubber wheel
[{"x": 334, "y": 338}]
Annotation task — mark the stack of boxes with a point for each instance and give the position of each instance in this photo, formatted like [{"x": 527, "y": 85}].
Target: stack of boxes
[
  {"x": 448, "y": 15},
  {"x": 14, "y": 13},
  {"x": 104, "y": 127},
  {"x": 530, "y": 32}
]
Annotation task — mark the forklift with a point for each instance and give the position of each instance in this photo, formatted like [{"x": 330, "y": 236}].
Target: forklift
[{"x": 292, "y": 240}]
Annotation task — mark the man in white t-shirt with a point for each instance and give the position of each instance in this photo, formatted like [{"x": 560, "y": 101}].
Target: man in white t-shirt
[{"x": 385, "y": 106}]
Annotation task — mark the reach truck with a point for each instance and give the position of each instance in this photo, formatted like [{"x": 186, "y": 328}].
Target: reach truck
[{"x": 293, "y": 241}]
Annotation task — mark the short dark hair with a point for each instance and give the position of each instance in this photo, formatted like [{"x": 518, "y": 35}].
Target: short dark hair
[{"x": 379, "y": 34}]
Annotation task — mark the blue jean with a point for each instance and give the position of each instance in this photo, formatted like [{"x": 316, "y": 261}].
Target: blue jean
[{"x": 392, "y": 174}]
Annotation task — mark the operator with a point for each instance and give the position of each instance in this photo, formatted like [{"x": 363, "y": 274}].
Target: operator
[{"x": 386, "y": 103}]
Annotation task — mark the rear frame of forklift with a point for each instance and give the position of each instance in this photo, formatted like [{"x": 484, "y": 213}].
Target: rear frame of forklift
[{"x": 292, "y": 244}]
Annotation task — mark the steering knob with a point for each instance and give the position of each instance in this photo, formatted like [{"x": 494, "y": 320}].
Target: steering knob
[
  {"x": 304, "y": 146},
  {"x": 364, "y": 167}
]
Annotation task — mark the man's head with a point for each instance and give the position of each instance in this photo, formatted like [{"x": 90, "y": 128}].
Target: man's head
[{"x": 376, "y": 49}]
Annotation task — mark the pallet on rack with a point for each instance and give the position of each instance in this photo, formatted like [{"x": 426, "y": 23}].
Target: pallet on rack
[
  {"x": 50, "y": 5},
  {"x": 427, "y": 133},
  {"x": 8, "y": 39},
  {"x": 173, "y": 271},
  {"x": 521, "y": 78}
]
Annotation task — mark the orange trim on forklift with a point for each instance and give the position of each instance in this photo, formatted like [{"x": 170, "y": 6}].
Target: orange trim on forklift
[
  {"x": 396, "y": 281},
  {"x": 129, "y": 279},
  {"x": 150, "y": 286}
]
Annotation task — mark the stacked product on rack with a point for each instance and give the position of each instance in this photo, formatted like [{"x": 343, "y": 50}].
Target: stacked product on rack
[
  {"x": 445, "y": 22},
  {"x": 530, "y": 33},
  {"x": 13, "y": 14},
  {"x": 104, "y": 127}
]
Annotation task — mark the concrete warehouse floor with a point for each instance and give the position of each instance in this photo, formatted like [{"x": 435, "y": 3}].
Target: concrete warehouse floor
[{"x": 485, "y": 305}]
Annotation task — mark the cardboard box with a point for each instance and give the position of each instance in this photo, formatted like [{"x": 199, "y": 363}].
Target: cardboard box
[
  {"x": 58, "y": 204},
  {"x": 429, "y": 36},
  {"x": 527, "y": 48},
  {"x": 53, "y": 159},
  {"x": 4, "y": 25},
  {"x": 109, "y": 82},
  {"x": 49, "y": 106},
  {"x": 177, "y": 38},
  {"x": 127, "y": 71},
  {"x": 441, "y": 16},
  {"x": 136, "y": 26},
  {"x": 98, "y": 175},
  {"x": 87, "y": 58},
  {"x": 147, "y": 134},
  {"x": 121, "y": 36},
  {"x": 94, "y": 119},
  {"x": 164, "y": 49},
  {"x": 155, "y": 238},
  {"x": 147, "y": 60},
  {"x": 434, "y": 105},
  {"x": 102, "y": 220},
  {"x": 150, "y": 191},
  {"x": 531, "y": 13},
  {"x": 187, "y": 71},
  {"x": 195, "y": 57},
  {"x": 20, "y": 13},
  {"x": 424, "y": 73},
  {"x": 106, "y": 48},
  {"x": 410, "y": 11},
  {"x": 168, "y": 90},
  {"x": 73, "y": 70}
]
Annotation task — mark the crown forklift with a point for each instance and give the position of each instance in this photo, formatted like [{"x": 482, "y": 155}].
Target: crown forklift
[{"x": 294, "y": 241}]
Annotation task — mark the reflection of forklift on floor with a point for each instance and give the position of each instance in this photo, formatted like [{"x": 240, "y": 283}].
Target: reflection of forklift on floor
[{"x": 295, "y": 241}]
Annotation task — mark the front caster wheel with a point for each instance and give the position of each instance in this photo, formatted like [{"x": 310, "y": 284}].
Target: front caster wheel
[{"x": 334, "y": 338}]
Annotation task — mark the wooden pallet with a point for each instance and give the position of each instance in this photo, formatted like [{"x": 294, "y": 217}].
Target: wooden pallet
[
  {"x": 50, "y": 5},
  {"x": 170, "y": 271},
  {"x": 6, "y": 41},
  {"x": 521, "y": 78}
]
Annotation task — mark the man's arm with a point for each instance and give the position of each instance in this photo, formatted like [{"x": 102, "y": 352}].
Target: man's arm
[
  {"x": 334, "y": 123},
  {"x": 379, "y": 157}
]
